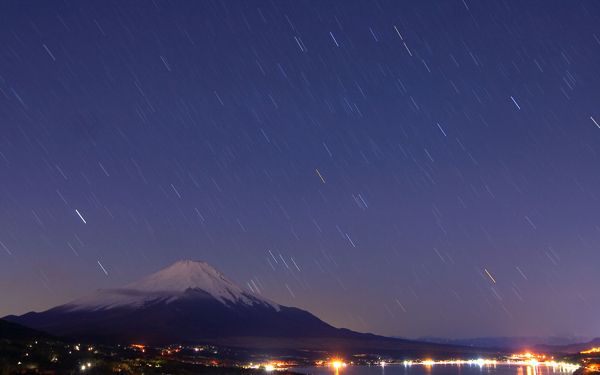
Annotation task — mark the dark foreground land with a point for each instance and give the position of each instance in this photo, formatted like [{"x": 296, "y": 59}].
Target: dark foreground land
[
  {"x": 27, "y": 351},
  {"x": 56, "y": 357}
]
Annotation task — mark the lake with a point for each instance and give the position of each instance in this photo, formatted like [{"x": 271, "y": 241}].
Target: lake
[{"x": 441, "y": 369}]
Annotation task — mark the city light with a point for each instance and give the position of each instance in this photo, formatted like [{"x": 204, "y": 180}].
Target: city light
[{"x": 592, "y": 350}]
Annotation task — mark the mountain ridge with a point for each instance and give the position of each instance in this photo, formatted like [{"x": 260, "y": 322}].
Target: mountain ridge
[
  {"x": 191, "y": 302},
  {"x": 516, "y": 343}
]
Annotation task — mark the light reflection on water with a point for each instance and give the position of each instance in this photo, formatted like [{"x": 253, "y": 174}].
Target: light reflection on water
[{"x": 438, "y": 369}]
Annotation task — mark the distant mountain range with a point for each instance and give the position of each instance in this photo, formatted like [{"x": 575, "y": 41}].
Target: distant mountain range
[
  {"x": 570, "y": 344},
  {"x": 571, "y": 348},
  {"x": 191, "y": 302}
]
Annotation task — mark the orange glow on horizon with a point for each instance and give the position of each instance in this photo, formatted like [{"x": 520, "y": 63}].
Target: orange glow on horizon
[{"x": 592, "y": 350}]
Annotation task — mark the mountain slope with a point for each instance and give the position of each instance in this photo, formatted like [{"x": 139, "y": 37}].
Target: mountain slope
[
  {"x": 191, "y": 302},
  {"x": 188, "y": 301},
  {"x": 16, "y": 332},
  {"x": 170, "y": 284}
]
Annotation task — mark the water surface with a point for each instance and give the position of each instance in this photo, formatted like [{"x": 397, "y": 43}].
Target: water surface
[{"x": 440, "y": 369}]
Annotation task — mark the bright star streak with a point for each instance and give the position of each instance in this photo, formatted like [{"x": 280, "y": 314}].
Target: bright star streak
[
  {"x": 486, "y": 271},
  {"x": 320, "y": 175},
  {"x": 336, "y": 43},
  {"x": 82, "y": 219},
  {"x": 102, "y": 268},
  {"x": 514, "y": 101},
  {"x": 350, "y": 240},
  {"x": 439, "y": 126}
]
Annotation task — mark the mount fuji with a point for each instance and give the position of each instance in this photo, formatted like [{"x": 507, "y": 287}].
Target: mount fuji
[
  {"x": 183, "y": 279},
  {"x": 191, "y": 302}
]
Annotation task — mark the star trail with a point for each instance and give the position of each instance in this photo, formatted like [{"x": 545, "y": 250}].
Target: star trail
[{"x": 405, "y": 168}]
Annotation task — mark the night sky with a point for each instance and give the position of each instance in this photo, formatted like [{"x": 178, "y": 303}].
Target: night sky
[{"x": 403, "y": 168}]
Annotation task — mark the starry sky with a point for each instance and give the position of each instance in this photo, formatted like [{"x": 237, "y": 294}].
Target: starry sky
[{"x": 404, "y": 168}]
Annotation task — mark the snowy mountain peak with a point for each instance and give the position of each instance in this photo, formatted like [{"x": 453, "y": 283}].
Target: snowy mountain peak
[
  {"x": 169, "y": 284},
  {"x": 184, "y": 275}
]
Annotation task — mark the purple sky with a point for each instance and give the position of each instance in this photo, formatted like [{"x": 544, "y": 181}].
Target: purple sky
[{"x": 398, "y": 167}]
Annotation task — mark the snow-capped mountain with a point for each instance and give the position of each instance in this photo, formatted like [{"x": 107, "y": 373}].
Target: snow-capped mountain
[
  {"x": 191, "y": 302},
  {"x": 169, "y": 285},
  {"x": 188, "y": 301}
]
